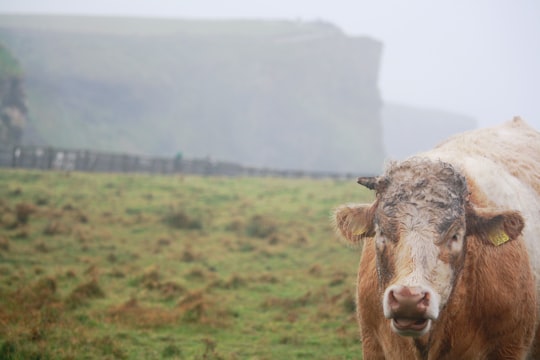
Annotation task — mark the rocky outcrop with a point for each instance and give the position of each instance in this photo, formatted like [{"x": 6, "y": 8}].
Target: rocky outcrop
[{"x": 13, "y": 110}]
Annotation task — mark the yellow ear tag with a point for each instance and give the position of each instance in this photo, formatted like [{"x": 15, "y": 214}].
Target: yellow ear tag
[
  {"x": 498, "y": 237},
  {"x": 360, "y": 231}
]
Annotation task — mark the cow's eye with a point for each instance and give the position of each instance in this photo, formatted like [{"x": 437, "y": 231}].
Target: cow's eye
[{"x": 455, "y": 238}]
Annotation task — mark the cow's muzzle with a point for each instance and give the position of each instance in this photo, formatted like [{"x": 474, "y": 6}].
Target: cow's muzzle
[{"x": 410, "y": 309}]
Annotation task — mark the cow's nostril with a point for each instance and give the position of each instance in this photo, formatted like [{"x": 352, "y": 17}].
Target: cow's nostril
[
  {"x": 392, "y": 301},
  {"x": 425, "y": 299}
]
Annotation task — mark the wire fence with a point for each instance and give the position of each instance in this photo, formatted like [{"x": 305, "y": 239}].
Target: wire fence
[{"x": 49, "y": 158}]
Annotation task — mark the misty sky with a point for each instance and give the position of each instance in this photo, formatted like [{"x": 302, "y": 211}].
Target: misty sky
[{"x": 479, "y": 58}]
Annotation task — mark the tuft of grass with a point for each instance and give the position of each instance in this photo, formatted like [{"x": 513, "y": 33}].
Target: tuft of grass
[
  {"x": 194, "y": 307},
  {"x": 349, "y": 302},
  {"x": 20, "y": 350},
  {"x": 261, "y": 226},
  {"x": 179, "y": 219},
  {"x": 39, "y": 294},
  {"x": 150, "y": 277},
  {"x": 164, "y": 242},
  {"x": 23, "y": 232},
  {"x": 315, "y": 270},
  {"x": 189, "y": 255},
  {"x": 9, "y": 220},
  {"x": 83, "y": 293},
  {"x": 287, "y": 303},
  {"x": 210, "y": 350},
  {"x": 108, "y": 347},
  {"x": 172, "y": 351},
  {"x": 199, "y": 307},
  {"x": 41, "y": 247},
  {"x": 42, "y": 199},
  {"x": 134, "y": 314},
  {"x": 54, "y": 227},
  {"x": 268, "y": 279},
  {"x": 235, "y": 282},
  {"x": 197, "y": 273},
  {"x": 4, "y": 243},
  {"x": 117, "y": 273},
  {"x": 171, "y": 290},
  {"x": 9, "y": 350},
  {"x": 23, "y": 212},
  {"x": 338, "y": 278},
  {"x": 236, "y": 224},
  {"x": 15, "y": 190}
]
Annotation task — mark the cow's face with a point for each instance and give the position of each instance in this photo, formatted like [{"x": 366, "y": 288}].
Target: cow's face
[
  {"x": 419, "y": 235},
  {"x": 420, "y": 221}
]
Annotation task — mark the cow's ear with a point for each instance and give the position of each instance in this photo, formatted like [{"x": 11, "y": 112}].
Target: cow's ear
[
  {"x": 494, "y": 226},
  {"x": 355, "y": 222}
]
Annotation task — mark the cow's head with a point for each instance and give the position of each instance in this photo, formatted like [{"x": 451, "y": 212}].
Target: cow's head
[{"x": 421, "y": 221}]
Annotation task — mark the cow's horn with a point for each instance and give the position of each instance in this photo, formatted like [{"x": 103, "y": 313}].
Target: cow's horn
[{"x": 376, "y": 183}]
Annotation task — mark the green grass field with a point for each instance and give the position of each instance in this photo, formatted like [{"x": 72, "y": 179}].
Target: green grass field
[{"x": 101, "y": 266}]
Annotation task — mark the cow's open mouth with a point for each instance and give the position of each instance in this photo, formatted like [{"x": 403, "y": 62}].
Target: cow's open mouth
[{"x": 410, "y": 327}]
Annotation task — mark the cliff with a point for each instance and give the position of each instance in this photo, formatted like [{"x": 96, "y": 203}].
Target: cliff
[{"x": 279, "y": 94}]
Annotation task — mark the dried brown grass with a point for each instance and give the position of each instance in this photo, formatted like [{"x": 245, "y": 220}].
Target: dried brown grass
[
  {"x": 287, "y": 303},
  {"x": 4, "y": 243},
  {"x": 132, "y": 313},
  {"x": 28, "y": 313},
  {"x": 23, "y": 212},
  {"x": 55, "y": 227},
  {"x": 83, "y": 293},
  {"x": 193, "y": 307},
  {"x": 261, "y": 226}
]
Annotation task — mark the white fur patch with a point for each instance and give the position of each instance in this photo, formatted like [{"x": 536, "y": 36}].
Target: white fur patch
[
  {"x": 482, "y": 155},
  {"x": 428, "y": 272},
  {"x": 509, "y": 193}
]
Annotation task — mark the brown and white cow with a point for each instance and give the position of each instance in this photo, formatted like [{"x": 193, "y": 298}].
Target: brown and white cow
[{"x": 450, "y": 264}]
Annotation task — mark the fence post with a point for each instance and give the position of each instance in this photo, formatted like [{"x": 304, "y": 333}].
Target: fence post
[{"x": 16, "y": 156}]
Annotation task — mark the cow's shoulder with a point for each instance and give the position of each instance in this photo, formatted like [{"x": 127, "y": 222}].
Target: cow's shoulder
[{"x": 513, "y": 148}]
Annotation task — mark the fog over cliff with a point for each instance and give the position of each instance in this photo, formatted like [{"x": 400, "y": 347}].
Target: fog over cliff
[{"x": 280, "y": 94}]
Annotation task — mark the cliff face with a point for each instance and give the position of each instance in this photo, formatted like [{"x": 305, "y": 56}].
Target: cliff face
[
  {"x": 264, "y": 93},
  {"x": 13, "y": 109}
]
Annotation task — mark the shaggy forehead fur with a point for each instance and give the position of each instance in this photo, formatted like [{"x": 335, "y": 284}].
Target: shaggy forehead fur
[{"x": 426, "y": 185}]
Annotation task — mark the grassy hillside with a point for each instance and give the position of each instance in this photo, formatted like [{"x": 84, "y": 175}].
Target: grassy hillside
[
  {"x": 140, "y": 267},
  {"x": 266, "y": 93}
]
